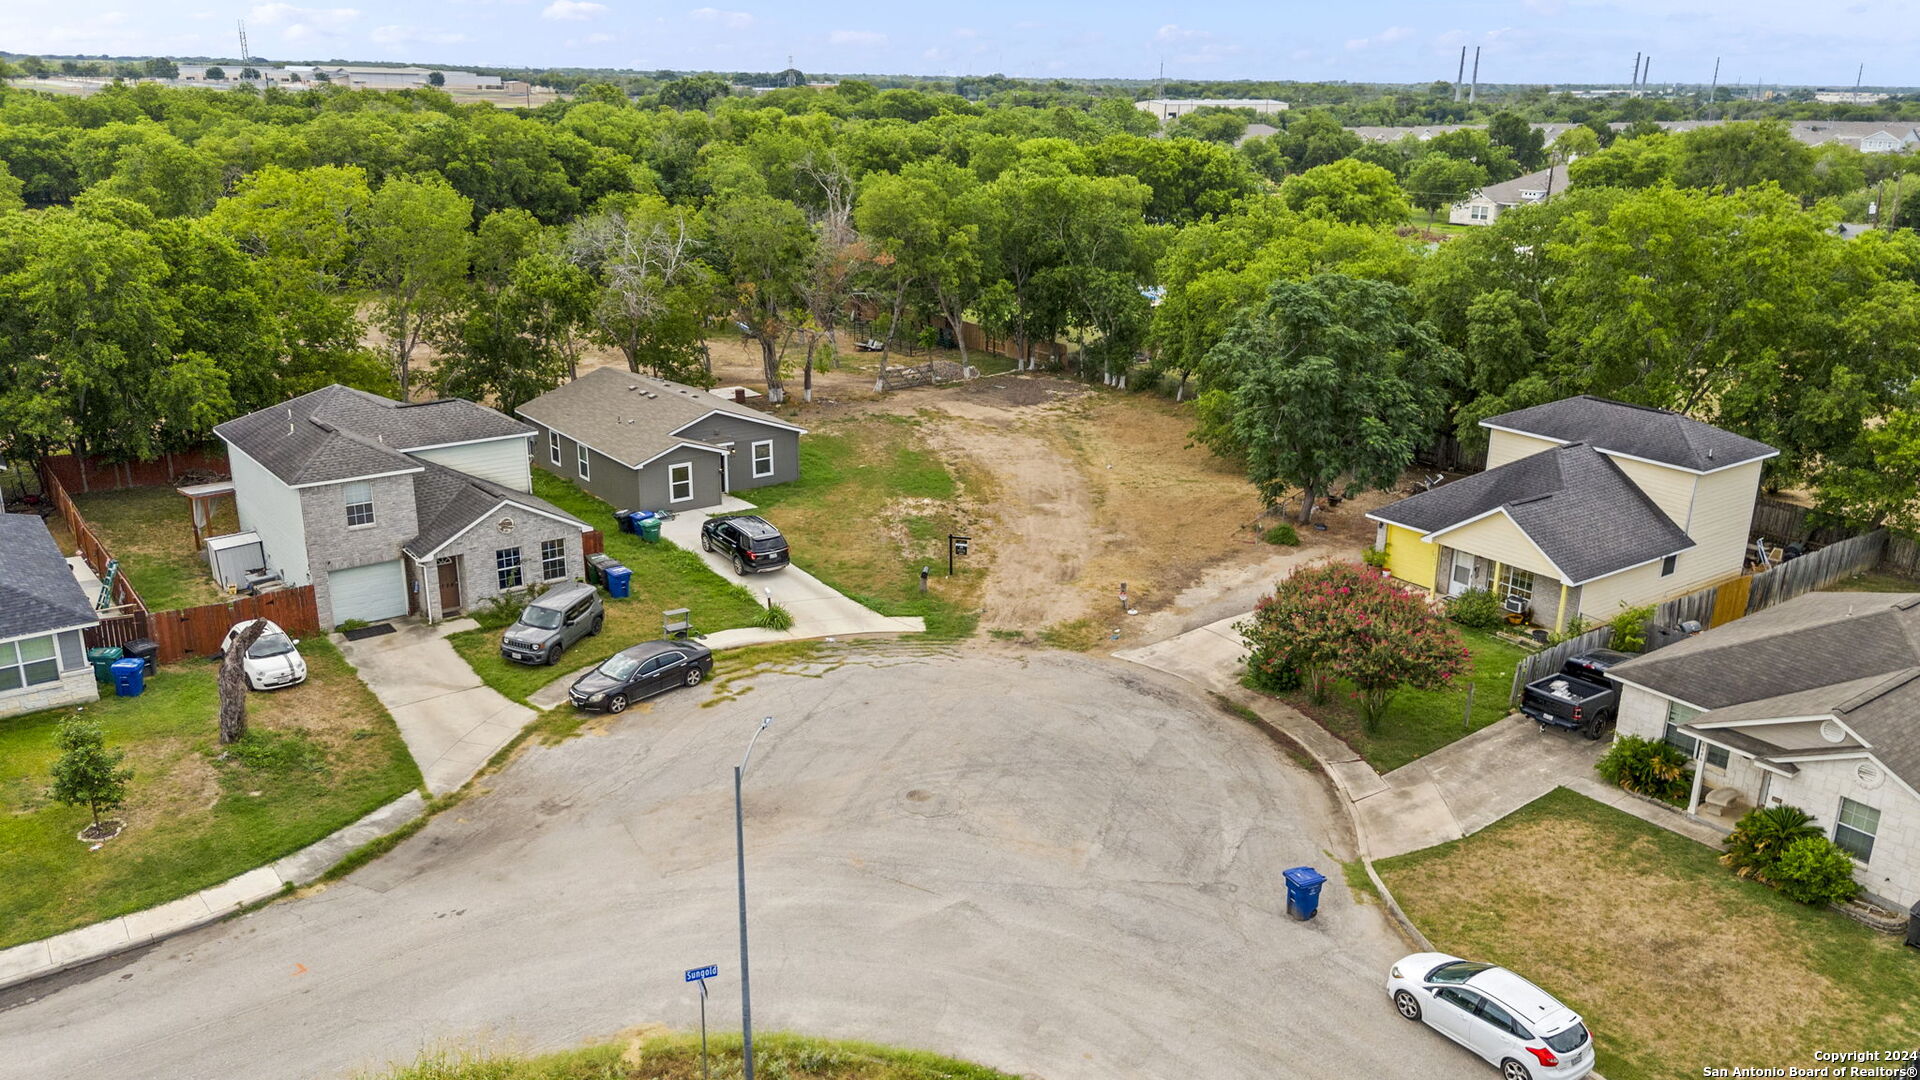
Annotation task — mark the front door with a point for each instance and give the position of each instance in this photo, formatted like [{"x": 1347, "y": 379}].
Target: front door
[
  {"x": 1462, "y": 579},
  {"x": 449, "y": 572}
]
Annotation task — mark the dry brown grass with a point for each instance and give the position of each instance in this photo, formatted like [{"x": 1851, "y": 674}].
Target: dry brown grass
[{"x": 1676, "y": 964}]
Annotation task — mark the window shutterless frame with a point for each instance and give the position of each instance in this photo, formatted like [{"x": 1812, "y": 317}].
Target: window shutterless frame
[
  {"x": 553, "y": 447},
  {"x": 1855, "y": 827},
  {"x": 763, "y": 458},
  {"x": 506, "y": 568},
  {"x": 580, "y": 455},
  {"x": 553, "y": 559},
  {"x": 359, "y": 500},
  {"x": 680, "y": 482}
]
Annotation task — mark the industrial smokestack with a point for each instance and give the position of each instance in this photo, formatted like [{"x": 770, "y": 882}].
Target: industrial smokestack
[
  {"x": 1460, "y": 76},
  {"x": 1473, "y": 94},
  {"x": 1635, "y": 84},
  {"x": 1643, "y": 71}
]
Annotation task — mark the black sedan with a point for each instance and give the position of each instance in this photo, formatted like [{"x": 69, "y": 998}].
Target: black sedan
[{"x": 640, "y": 672}]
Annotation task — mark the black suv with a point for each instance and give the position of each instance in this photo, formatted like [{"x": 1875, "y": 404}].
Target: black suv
[{"x": 754, "y": 544}]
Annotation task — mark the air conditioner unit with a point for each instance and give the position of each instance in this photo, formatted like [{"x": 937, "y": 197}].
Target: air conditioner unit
[{"x": 1516, "y": 605}]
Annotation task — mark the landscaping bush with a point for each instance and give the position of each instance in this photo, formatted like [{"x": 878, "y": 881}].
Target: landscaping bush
[
  {"x": 501, "y": 611},
  {"x": 1757, "y": 842},
  {"x": 1475, "y": 609},
  {"x": 1815, "y": 870},
  {"x": 1282, "y": 535},
  {"x": 776, "y": 617},
  {"x": 1630, "y": 629},
  {"x": 1375, "y": 557},
  {"x": 1646, "y": 766}
]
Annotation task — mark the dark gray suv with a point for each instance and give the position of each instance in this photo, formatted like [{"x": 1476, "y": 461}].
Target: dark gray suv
[{"x": 551, "y": 623}]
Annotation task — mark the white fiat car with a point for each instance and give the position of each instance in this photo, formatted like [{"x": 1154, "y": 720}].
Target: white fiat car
[
  {"x": 273, "y": 662},
  {"x": 1513, "y": 1024}
]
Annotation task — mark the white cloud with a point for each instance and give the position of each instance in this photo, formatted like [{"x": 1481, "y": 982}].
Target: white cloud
[
  {"x": 857, "y": 37},
  {"x": 1388, "y": 36},
  {"x": 591, "y": 39},
  {"x": 304, "y": 24},
  {"x": 572, "y": 9},
  {"x": 1177, "y": 35},
  {"x": 732, "y": 20},
  {"x": 403, "y": 35}
]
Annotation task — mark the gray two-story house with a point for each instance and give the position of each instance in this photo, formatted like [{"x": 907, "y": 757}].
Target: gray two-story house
[
  {"x": 643, "y": 443},
  {"x": 389, "y": 508}
]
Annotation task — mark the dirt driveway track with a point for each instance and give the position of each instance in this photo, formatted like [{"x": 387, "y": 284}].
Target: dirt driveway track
[{"x": 1060, "y": 866}]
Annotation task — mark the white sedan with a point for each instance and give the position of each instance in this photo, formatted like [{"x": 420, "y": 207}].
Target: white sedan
[
  {"x": 273, "y": 661},
  {"x": 1513, "y": 1024}
]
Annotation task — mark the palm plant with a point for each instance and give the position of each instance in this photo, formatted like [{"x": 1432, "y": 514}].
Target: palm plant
[{"x": 1762, "y": 836}]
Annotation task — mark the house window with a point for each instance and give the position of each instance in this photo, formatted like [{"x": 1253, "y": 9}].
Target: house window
[
  {"x": 1678, "y": 714},
  {"x": 506, "y": 568},
  {"x": 553, "y": 559},
  {"x": 1477, "y": 212},
  {"x": 763, "y": 458},
  {"x": 28, "y": 662},
  {"x": 1855, "y": 828},
  {"x": 359, "y": 497},
  {"x": 553, "y": 447},
  {"x": 680, "y": 482},
  {"x": 1519, "y": 585},
  {"x": 580, "y": 453},
  {"x": 1667, "y": 564}
]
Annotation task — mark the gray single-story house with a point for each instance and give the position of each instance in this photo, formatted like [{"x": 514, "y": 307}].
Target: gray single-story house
[
  {"x": 389, "y": 508},
  {"x": 43, "y": 615},
  {"x": 643, "y": 443}
]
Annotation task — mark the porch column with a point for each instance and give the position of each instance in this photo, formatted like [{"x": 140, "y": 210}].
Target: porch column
[
  {"x": 1493, "y": 586},
  {"x": 1560, "y": 617},
  {"x": 1699, "y": 777},
  {"x": 426, "y": 576}
]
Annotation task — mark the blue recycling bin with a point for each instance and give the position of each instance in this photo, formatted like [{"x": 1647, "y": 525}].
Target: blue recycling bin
[
  {"x": 619, "y": 581},
  {"x": 1303, "y": 891},
  {"x": 129, "y": 676}
]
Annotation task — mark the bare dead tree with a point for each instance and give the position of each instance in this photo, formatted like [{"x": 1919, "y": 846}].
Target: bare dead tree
[
  {"x": 233, "y": 684},
  {"x": 838, "y": 254},
  {"x": 640, "y": 265}
]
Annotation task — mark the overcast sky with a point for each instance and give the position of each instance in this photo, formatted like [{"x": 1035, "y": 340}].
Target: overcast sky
[{"x": 1573, "y": 41}]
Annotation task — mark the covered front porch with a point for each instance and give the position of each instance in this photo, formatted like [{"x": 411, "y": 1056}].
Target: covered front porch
[{"x": 1536, "y": 598}]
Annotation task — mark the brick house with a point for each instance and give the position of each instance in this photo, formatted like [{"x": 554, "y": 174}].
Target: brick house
[{"x": 43, "y": 614}]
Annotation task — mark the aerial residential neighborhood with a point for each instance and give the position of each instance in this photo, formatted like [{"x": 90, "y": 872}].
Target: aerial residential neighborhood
[{"x": 556, "y": 541}]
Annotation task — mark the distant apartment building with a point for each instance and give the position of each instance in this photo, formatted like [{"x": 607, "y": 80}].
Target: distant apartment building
[
  {"x": 1848, "y": 97},
  {"x": 1165, "y": 109}
]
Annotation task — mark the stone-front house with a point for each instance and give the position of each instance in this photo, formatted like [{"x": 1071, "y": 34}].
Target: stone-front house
[
  {"x": 43, "y": 616},
  {"x": 643, "y": 443},
  {"x": 1812, "y": 703},
  {"x": 388, "y": 508},
  {"x": 1587, "y": 506}
]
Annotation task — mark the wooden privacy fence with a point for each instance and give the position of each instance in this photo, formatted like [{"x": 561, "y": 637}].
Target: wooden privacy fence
[
  {"x": 1547, "y": 661},
  {"x": 84, "y": 474},
  {"x": 1816, "y": 570},
  {"x": 89, "y": 545},
  {"x": 1781, "y": 522},
  {"x": 1902, "y": 556}
]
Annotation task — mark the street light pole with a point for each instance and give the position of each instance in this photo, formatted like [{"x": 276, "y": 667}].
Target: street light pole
[{"x": 740, "y": 861}]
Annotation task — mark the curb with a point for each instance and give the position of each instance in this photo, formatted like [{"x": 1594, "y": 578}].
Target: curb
[{"x": 38, "y": 959}]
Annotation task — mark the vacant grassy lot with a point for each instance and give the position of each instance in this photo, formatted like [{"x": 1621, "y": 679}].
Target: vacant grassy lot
[
  {"x": 150, "y": 530},
  {"x": 1675, "y": 963},
  {"x": 677, "y": 1057},
  {"x": 872, "y": 506},
  {"x": 1875, "y": 581},
  {"x": 320, "y": 755},
  {"x": 1419, "y": 722},
  {"x": 664, "y": 576}
]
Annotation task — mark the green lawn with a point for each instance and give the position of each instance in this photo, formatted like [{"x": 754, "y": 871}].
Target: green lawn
[
  {"x": 676, "y": 1056},
  {"x": 1419, "y": 722},
  {"x": 150, "y": 530},
  {"x": 1875, "y": 581},
  {"x": 1675, "y": 963},
  {"x": 664, "y": 576},
  {"x": 872, "y": 506},
  {"x": 321, "y": 755}
]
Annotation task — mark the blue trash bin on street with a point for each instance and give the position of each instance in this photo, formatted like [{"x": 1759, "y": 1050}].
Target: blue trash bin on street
[
  {"x": 1303, "y": 891},
  {"x": 129, "y": 676},
  {"x": 619, "y": 581}
]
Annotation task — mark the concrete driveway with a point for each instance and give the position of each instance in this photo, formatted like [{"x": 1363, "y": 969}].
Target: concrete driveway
[
  {"x": 451, "y": 721},
  {"x": 818, "y": 609},
  {"x": 1057, "y": 865}
]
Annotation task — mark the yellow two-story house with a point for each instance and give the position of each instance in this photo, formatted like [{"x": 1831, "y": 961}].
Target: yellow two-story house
[{"x": 1587, "y": 506}]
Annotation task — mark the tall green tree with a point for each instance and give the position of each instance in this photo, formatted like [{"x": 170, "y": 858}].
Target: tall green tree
[
  {"x": 414, "y": 258},
  {"x": 765, "y": 243},
  {"x": 654, "y": 290},
  {"x": 1327, "y": 383},
  {"x": 1350, "y": 191},
  {"x": 1438, "y": 180}
]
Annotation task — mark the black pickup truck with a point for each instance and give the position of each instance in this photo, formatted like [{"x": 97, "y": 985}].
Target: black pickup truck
[{"x": 1580, "y": 697}]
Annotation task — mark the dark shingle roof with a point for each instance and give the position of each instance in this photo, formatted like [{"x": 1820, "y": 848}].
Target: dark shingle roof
[
  {"x": 446, "y": 501},
  {"x": 37, "y": 589},
  {"x": 1855, "y": 656},
  {"x": 1634, "y": 430},
  {"x": 337, "y": 433},
  {"x": 630, "y": 418},
  {"x": 1572, "y": 501}
]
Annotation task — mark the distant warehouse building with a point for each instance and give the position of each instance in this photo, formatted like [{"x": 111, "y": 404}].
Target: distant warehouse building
[{"x": 1165, "y": 109}]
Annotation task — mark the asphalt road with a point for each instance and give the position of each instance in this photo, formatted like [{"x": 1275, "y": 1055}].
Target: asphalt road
[{"x": 1055, "y": 865}]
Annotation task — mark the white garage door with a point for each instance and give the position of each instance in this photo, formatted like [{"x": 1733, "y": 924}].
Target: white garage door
[{"x": 368, "y": 593}]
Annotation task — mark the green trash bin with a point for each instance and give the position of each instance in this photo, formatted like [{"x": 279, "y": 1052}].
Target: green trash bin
[
  {"x": 650, "y": 530},
  {"x": 102, "y": 660}
]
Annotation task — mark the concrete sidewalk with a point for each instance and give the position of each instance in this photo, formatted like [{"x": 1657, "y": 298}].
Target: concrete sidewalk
[
  {"x": 452, "y": 722},
  {"x": 1458, "y": 789},
  {"x": 37, "y": 959}
]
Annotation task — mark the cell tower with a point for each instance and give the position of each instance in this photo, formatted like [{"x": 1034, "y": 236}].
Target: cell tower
[{"x": 244, "y": 55}]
